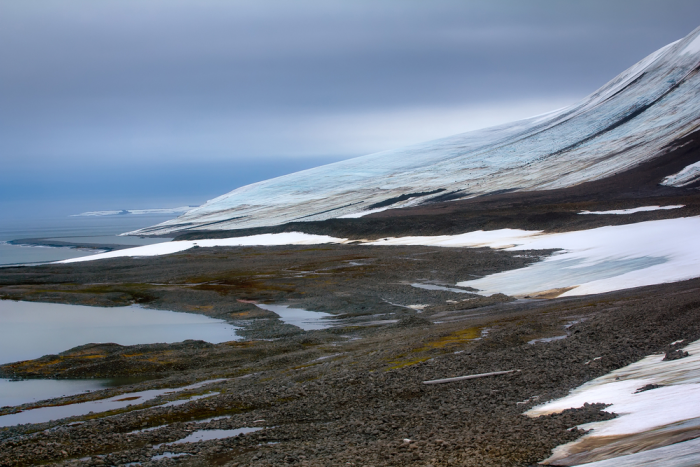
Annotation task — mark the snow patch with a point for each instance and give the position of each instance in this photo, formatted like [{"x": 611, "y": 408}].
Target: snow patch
[
  {"x": 685, "y": 454},
  {"x": 689, "y": 174},
  {"x": 357, "y": 215},
  {"x": 633, "y": 210},
  {"x": 503, "y": 238},
  {"x": 166, "y": 248},
  {"x": 669, "y": 408},
  {"x": 603, "y": 259},
  {"x": 591, "y": 261}
]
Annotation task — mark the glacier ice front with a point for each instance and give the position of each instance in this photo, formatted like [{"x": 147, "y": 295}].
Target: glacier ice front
[{"x": 626, "y": 122}]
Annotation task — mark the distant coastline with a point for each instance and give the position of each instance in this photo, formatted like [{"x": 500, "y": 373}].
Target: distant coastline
[{"x": 51, "y": 243}]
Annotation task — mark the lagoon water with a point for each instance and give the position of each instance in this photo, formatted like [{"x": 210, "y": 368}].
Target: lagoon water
[
  {"x": 207, "y": 435},
  {"x": 33, "y": 390},
  {"x": 56, "y": 412},
  {"x": 30, "y": 330}
]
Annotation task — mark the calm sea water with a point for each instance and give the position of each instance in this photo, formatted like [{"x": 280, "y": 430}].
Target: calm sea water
[{"x": 92, "y": 230}]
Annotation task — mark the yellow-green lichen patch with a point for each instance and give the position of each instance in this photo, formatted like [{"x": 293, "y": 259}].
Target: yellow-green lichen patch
[{"x": 447, "y": 341}]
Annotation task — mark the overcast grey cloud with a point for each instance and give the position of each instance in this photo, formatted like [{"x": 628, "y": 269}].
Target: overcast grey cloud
[{"x": 112, "y": 102}]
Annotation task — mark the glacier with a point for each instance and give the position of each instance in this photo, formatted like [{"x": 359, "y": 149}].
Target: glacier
[{"x": 630, "y": 120}]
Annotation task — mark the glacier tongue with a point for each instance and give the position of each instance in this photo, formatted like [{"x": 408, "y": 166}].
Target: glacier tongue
[{"x": 628, "y": 121}]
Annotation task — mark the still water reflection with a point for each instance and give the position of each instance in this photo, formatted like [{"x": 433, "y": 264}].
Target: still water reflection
[
  {"x": 304, "y": 319},
  {"x": 45, "y": 414},
  {"x": 29, "y": 330},
  {"x": 33, "y": 390}
]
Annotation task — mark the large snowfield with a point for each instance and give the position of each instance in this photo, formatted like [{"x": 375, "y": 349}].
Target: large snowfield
[{"x": 590, "y": 261}]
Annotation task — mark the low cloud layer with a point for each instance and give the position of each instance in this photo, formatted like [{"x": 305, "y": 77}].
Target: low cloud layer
[{"x": 90, "y": 85}]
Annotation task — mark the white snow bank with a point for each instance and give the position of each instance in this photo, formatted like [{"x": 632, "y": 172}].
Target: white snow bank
[
  {"x": 676, "y": 400},
  {"x": 357, "y": 215},
  {"x": 591, "y": 261},
  {"x": 166, "y": 248},
  {"x": 604, "y": 259},
  {"x": 670, "y": 408},
  {"x": 633, "y": 210},
  {"x": 502, "y": 238},
  {"x": 688, "y": 175}
]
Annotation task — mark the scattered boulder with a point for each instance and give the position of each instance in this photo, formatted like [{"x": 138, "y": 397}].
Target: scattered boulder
[
  {"x": 648, "y": 387},
  {"x": 413, "y": 321}
]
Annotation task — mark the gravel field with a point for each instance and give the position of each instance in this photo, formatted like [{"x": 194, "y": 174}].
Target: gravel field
[{"x": 352, "y": 394}]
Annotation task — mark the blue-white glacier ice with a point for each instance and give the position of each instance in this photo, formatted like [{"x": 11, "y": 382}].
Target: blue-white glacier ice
[{"x": 630, "y": 120}]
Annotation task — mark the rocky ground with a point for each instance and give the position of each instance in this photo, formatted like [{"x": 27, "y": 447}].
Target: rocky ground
[
  {"x": 359, "y": 284},
  {"x": 352, "y": 394}
]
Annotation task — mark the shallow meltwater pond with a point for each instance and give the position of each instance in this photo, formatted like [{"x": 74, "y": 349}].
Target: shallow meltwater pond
[
  {"x": 30, "y": 330},
  {"x": 33, "y": 390},
  {"x": 207, "y": 435},
  {"x": 304, "y": 319},
  {"x": 121, "y": 401}
]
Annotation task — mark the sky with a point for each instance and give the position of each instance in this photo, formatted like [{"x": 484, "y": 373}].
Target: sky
[{"x": 133, "y": 104}]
